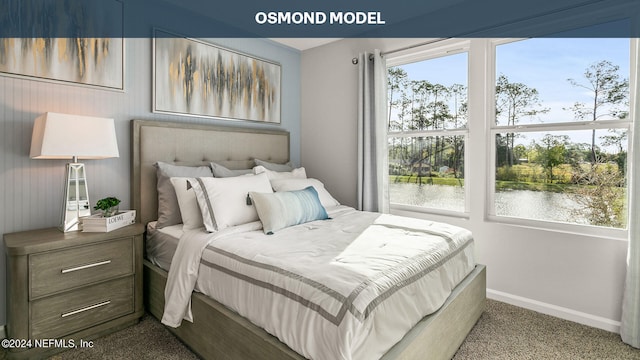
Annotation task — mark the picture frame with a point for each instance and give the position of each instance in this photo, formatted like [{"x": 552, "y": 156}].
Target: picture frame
[
  {"x": 83, "y": 61},
  {"x": 196, "y": 78}
]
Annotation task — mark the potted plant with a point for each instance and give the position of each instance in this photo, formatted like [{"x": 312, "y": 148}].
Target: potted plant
[{"x": 108, "y": 205}]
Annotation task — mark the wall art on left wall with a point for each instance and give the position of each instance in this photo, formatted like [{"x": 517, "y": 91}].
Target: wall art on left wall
[{"x": 88, "y": 61}]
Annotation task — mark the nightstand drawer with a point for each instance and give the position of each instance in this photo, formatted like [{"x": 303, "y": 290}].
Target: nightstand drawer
[
  {"x": 66, "y": 313},
  {"x": 57, "y": 271}
]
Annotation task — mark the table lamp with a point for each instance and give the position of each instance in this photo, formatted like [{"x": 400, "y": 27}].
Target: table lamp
[{"x": 63, "y": 136}]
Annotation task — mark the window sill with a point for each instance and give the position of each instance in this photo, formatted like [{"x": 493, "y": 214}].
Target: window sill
[
  {"x": 536, "y": 225},
  {"x": 429, "y": 211},
  {"x": 558, "y": 227}
]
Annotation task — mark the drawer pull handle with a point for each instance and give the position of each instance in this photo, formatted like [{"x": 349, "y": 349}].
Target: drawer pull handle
[
  {"x": 86, "y": 308},
  {"x": 64, "y": 271}
]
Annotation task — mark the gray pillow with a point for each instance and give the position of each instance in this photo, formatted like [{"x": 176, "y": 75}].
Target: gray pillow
[
  {"x": 220, "y": 171},
  {"x": 273, "y": 166},
  {"x": 168, "y": 209}
]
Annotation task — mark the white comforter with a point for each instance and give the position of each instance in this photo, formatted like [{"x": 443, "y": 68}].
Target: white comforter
[{"x": 346, "y": 288}]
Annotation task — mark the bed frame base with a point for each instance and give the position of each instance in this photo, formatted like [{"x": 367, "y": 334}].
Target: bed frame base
[
  {"x": 230, "y": 336},
  {"x": 439, "y": 335}
]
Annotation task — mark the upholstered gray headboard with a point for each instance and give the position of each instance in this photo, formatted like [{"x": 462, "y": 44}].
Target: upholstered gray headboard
[{"x": 194, "y": 144}]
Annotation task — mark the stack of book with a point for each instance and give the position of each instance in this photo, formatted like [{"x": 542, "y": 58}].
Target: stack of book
[{"x": 98, "y": 223}]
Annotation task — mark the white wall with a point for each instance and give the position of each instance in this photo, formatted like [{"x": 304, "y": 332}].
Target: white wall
[
  {"x": 31, "y": 190},
  {"x": 578, "y": 277}
]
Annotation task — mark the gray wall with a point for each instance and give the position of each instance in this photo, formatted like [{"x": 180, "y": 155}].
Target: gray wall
[
  {"x": 578, "y": 277},
  {"x": 31, "y": 190}
]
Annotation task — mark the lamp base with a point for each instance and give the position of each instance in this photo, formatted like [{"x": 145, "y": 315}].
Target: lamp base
[{"x": 75, "y": 203}]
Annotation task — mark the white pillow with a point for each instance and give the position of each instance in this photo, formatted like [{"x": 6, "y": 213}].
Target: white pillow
[
  {"x": 168, "y": 208},
  {"x": 189, "y": 209},
  {"x": 298, "y": 184},
  {"x": 223, "y": 201},
  {"x": 298, "y": 173}
]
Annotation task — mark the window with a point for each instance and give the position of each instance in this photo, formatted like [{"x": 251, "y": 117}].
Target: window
[
  {"x": 530, "y": 132},
  {"x": 427, "y": 129},
  {"x": 560, "y": 137}
]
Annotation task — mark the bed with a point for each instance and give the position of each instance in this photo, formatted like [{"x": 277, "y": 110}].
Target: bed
[{"x": 220, "y": 333}]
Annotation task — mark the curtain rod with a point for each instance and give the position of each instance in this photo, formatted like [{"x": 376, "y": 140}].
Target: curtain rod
[{"x": 354, "y": 61}]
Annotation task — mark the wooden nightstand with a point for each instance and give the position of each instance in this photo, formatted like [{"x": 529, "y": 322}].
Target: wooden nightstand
[{"x": 71, "y": 286}]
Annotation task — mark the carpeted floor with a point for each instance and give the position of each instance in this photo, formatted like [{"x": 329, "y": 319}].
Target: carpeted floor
[
  {"x": 509, "y": 332},
  {"x": 503, "y": 332}
]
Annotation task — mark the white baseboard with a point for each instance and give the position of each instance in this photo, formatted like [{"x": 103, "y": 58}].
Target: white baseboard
[{"x": 557, "y": 311}]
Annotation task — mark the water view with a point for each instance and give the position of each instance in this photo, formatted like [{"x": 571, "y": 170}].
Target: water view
[{"x": 539, "y": 205}]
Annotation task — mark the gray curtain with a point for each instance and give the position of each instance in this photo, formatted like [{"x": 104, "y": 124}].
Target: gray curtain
[
  {"x": 630, "y": 328},
  {"x": 372, "y": 133}
]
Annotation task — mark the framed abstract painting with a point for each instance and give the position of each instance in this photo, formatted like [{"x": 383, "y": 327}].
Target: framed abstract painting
[
  {"x": 89, "y": 61},
  {"x": 196, "y": 78}
]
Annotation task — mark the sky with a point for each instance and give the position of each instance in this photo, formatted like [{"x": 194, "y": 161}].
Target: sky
[
  {"x": 546, "y": 64},
  {"x": 541, "y": 63}
]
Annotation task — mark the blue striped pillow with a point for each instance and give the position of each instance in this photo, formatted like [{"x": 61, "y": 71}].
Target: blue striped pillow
[{"x": 287, "y": 208}]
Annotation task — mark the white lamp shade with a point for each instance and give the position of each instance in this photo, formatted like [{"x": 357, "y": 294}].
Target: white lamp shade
[{"x": 63, "y": 136}]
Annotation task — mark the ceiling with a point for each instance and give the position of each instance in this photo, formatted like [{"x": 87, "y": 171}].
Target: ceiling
[{"x": 304, "y": 43}]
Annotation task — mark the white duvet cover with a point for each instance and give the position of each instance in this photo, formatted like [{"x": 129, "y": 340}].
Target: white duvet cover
[{"x": 345, "y": 288}]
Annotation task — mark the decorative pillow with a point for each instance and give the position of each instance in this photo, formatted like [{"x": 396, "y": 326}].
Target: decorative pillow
[
  {"x": 273, "y": 166},
  {"x": 168, "y": 208},
  {"x": 298, "y": 184},
  {"x": 299, "y": 173},
  {"x": 223, "y": 201},
  {"x": 189, "y": 209},
  {"x": 282, "y": 209},
  {"x": 220, "y": 171}
]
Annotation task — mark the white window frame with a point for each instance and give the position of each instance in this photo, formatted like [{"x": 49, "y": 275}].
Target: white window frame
[
  {"x": 430, "y": 51},
  {"x": 480, "y": 136},
  {"x": 494, "y": 129}
]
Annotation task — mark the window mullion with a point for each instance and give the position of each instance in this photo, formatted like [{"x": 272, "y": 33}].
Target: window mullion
[
  {"x": 480, "y": 98},
  {"x": 574, "y": 125},
  {"x": 425, "y": 133}
]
